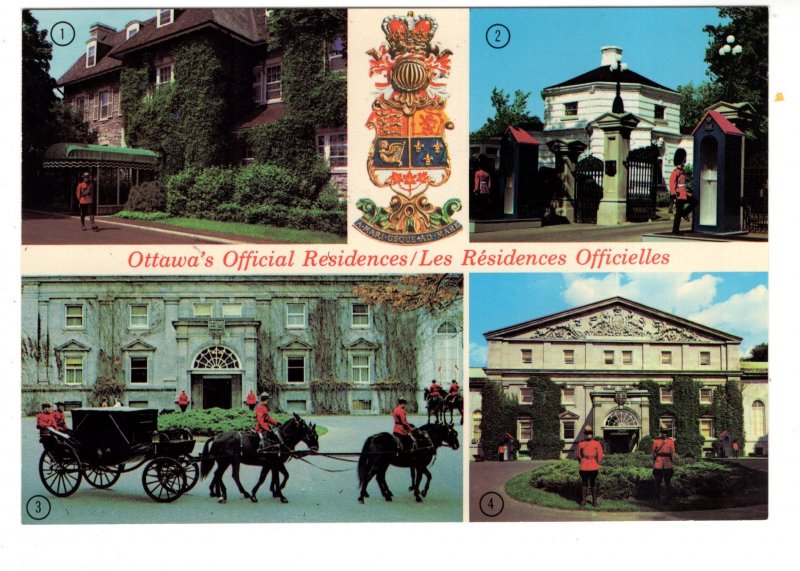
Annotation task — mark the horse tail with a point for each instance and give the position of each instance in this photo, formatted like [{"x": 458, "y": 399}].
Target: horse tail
[
  {"x": 364, "y": 463},
  {"x": 207, "y": 462}
]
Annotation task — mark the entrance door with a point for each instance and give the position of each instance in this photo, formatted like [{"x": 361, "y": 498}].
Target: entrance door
[
  {"x": 217, "y": 392},
  {"x": 620, "y": 441}
]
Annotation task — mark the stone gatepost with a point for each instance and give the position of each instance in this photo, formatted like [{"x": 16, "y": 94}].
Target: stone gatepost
[
  {"x": 566, "y": 154},
  {"x": 616, "y": 129}
]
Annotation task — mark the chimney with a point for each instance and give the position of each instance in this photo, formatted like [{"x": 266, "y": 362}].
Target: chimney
[
  {"x": 100, "y": 31},
  {"x": 610, "y": 54}
]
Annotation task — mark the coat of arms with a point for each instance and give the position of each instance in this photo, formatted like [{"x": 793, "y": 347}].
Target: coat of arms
[{"x": 409, "y": 153}]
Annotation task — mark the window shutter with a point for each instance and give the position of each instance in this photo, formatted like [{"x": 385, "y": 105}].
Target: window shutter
[
  {"x": 96, "y": 106},
  {"x": 116, "y": 96}
]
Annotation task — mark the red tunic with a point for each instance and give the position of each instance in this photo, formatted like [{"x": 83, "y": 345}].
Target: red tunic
[
  {"x": 663, "y": 449},
  {"x": 58, "y": 417},
  {"x": 43, "y": 421},
  {"x": 453, "y": 388},
  {"x": 590, "y": 454},
  {"x": 677, "y": 184},
  {"x": 483, "y": 182},
  {"x": 183, "y": 398},
  {"x": 435, "y": 390},
  {"x": 264, "y": 421},
  {"x": 85, "y": 192},
  {"x": 251, "y": 398},
  {"x": 401, "y": 426}
]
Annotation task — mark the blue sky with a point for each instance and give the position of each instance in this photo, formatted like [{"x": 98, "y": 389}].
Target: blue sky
[
  {"x": 551, "y": 45},
  {"x": 732, "y": 302},
  {"x": 81, "y": 20}
]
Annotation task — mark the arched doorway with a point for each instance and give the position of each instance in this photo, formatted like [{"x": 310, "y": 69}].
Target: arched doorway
[
  {"x": 216, "y": 378},
  {"x": 621, "y": 431}
]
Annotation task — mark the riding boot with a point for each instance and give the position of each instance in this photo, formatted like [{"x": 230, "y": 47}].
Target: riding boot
[
  {"x": 584, "y": 492},
  {"x": 262, "y": 442},
  {"x": 594, "y": 495}
]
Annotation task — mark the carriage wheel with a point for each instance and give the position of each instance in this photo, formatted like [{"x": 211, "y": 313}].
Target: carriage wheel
[
  {"x": 102, "y": 477},
  {"x": 60, "y": 471},
  {"x": 164, "y": 479},
  {"x": 192, "y": 474}
]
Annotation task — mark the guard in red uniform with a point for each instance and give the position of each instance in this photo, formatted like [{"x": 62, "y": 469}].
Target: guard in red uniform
[
  {"x": 435, "y": 390},
  {"x": 685, "y": 203},
  {"x": 452, "y": 391},
  {"x": 590, "y": 456},
  {"x": 402, "y": 429},
  {"x": 735, "y": 447},
  {"x": 84, "y": 192},
  {"x": 265, "y": 423},
  {"x": 251, "y": 400},
  {"x": 44, "y": 420},
  {"x": 663, "y": 462},
  {"x": 58, "y": 416},
  {"x": 183, "y": 401}
]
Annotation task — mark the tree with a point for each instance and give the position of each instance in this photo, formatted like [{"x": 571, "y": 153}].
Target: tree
[
  {"x": 434, "y": 292},
  {"x": 695, "y": 100},
  {"x": 743, "y": 77},
  {"x": 507, "y": 113},
  {"x": 759, "y": 353}
]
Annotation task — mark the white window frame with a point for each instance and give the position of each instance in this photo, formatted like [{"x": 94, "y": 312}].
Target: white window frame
[
  {"x": 131, "y": 316},
  {"x": 710, "y": 422},
  {"x": 295, "y": 314},
  {"x": 529, "y": 423},
  {"x": 164, "y": 21},
  {"x": 567, "y": 107},
  {"x": 662, "y": 395},
  {"x": 326, "y": 142},
  {"x": 627, "y": 357},
  {"x": 710, "y": 391},
  {"x": 564, "y": 429},
  {"x": 108, "y": 106},
  {"x": 232, "y": 310},
  {"x": 91, "y": 54},
  {"x": 131, "y": 30},
  {"x": 146, "y": 368},
  {"x": 160, "y": 74},
  {"x": 705, "y": 356},
  {"x": 568, "y": 395},
  {"x": 523, "y": 399},
  {"x": 477, "y": 417},
  {"x": 361, "y": 367},
  {"x": 569, "y": 356},
  {"x": 666, "y": 357},
  {"x": 758, "y": 426},
  {"x": 71, "y": 368},
  {"x": 271, "y": 66},
  {"x": 526, "y": 355},
  {"x": 294, "y": 355},
  {"x": 608, "y": 357},
  {"x": 670, "y": 422},
  {"x": 354, "y": 315},
  {"x": 202, "y": 314},
  {"x": 67, "y": 316}
]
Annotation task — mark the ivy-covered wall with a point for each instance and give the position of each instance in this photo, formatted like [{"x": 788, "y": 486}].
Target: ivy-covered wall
[{"x": 728, "y": 411}]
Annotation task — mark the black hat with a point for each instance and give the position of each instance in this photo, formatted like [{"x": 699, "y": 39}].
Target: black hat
[
  {"x": 402, "y": 401},
  {"x": 60, "y": 403},
  {"x": 680, "y": 156},
  {"x": 45, "y": 404},
  {"x": 264, "y": 396}
]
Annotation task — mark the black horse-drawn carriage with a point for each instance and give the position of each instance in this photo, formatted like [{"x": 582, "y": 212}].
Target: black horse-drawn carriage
[{"x": 107, "y": 442}]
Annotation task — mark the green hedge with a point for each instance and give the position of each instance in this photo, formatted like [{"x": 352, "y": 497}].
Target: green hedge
[{"x": 147, "y": 197}]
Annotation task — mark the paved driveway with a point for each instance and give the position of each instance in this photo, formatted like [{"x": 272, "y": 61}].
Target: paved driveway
[{"x": 314, "y": 495}]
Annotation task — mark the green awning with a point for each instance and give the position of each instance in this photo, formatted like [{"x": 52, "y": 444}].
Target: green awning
[{"x": 68, "y": 155}]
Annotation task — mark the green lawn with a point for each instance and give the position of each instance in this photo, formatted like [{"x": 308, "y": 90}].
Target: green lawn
[{"x": 272, "y": 233}]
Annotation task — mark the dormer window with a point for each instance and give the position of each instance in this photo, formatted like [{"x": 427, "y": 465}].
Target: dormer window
[
  {"x": 165, "y": 16},
  {"x": 132, "y": 30},
  {"x": 91, "y": 54}
]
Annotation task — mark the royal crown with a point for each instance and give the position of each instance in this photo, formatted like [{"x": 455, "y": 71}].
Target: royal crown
[{"x": 409, "y": 33}]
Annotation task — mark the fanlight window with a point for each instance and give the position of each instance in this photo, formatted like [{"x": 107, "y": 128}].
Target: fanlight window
[
  {"x": 622, "y": 418},
  {"x": 217, "y": 358}
]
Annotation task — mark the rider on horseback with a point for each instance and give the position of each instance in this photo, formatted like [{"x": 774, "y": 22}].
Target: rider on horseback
[
  {"x": 452, "y": 392},
  {"x": 264, "y": 424},
  {"x": 401, "y": 426}
]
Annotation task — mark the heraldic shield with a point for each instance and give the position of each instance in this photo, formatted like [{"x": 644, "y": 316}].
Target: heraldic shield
[{"x": 409, "y": 153}]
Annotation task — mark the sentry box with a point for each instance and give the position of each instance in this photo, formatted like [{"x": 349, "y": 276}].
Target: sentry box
[{"x": 718, "y": 173}]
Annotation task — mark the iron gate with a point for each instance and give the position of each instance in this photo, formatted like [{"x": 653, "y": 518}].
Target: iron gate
[
  {"x": 588, "y": 189},
  {"x": 643, "y": 181}
]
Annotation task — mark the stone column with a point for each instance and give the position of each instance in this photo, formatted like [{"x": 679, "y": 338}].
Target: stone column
[{"x": 616, "y": 143}]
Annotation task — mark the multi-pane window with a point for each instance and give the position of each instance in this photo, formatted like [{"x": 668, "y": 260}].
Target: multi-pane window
[
  {"x": 231, "y": 310},
  {"x": 705, "y": 358},
  {"x": 568, "y": 396},
  {"x": 272, "y": 78},
  {"x": 133, "y": 29},
  {"x": 526, "y": 395},
  {"x": 666, "y": 395},
  {"x": 295, "y": 315},
  {"x": 667, "y": 424},
  {"x": 91, "y": 55},
  {"x": 527, "y": 356},
  {"x": 104, "y": 101},
  {"x": 73, "y": 369},
  {"x": 139, "y": 316},
  {"x": 258, "y": 85},
  {"x": 165, "y": 16},
  {"x": 571, "y": 109},
  {"x": 627, "y": 357},
  {"x": 524, "y": 430},
  {"x": 79, "y": 106},
  {"x": 568, "y": 429},
  {"x": 477, "y": 416},
  {"x": 569, "y": 356},
  {"x": 706, "y": 395},
  {"x": 758, "y": 419},
  {"x": 203, "y": 310},
  {"x": 707, "y": 428},
  {"x": 666, "y": 357},
  {"x": 164, "y": 74},
  {"x": 74, "y": 316},
  {"x": 296, "y": 369},
  {"x": 446, "y": 350},
  {"x": 138, "y": 370},
  {"x": 360, "y": 369},
  {"x": 359, "y": 315},
  {"x": 333, "y": 148},
  {"x": 608, "y": 357}
]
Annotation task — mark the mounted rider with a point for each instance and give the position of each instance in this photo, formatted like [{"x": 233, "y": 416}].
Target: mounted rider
[
  {"x": 434, "y": 391},
  {"x": 452, "y": 392},
  {"x": 403, "y": 431},
  {"x": 265, "y": 424}
]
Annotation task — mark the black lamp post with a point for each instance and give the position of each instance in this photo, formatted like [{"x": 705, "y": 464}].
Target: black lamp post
[
  {"x": 732, "y": 50},
  {"x": 617, "y": 67}
]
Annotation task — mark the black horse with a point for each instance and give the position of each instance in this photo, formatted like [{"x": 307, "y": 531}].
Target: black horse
[
  {"x": 241, "y": 447},
  {"x": 384, "y": 449},
  {"x": 435, "y": 406},
  {"x": 451, "y": 404}
]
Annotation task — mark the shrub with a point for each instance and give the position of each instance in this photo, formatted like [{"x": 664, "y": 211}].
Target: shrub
[
  {"x": 646, "y": 444},
  {"x": 147, "y": 197},
  {"x": 106, "y": 388},
  {"x": 178, "y": 188},
  {"x": 130, "y": 215},
  {"x": 206, "y": 422},
  {"x": 268, "y": 184},
  {"x": 545, "y": 447},
  {"x": 328, "y": 199}
]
